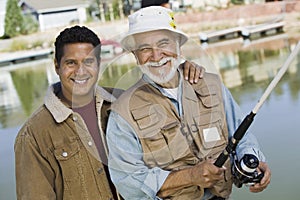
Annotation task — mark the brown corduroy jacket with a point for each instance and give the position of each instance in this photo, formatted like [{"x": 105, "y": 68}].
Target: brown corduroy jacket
[{"x": 55, "y": 155}]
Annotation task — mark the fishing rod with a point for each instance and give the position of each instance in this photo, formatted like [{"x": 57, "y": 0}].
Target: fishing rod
[{"x": 243, "y": 127}]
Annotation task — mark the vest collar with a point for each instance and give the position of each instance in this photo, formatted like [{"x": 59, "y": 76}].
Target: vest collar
[{"x": 189, "y": 92}]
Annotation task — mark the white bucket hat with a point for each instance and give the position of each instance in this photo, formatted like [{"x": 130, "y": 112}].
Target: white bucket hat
[{"x": 151, "y": 19}]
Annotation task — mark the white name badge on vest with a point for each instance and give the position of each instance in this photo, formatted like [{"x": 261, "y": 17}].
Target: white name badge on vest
[{"x": 211, "y": 134}]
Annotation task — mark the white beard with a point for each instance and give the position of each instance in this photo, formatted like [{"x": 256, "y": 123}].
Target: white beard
[{"x": 165, "y": 73}]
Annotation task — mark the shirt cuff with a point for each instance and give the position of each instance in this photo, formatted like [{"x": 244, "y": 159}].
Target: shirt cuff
[
  {"x": 154, "y": 181},
  {"x": 257, "y": 153}
]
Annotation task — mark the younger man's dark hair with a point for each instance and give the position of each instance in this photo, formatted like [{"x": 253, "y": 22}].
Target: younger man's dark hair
[{"x": 76, "y": 34}]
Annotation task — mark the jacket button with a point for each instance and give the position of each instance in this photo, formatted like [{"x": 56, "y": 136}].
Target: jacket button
[
  {"x": 75, "y": 118},
  {"x": 100, "y": 170},
  {"x": 64, "y": 154},
  {"x": 90, "y": 143}
]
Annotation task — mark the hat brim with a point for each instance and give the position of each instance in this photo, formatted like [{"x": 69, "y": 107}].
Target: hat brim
[{"x": 128, "y": 42}]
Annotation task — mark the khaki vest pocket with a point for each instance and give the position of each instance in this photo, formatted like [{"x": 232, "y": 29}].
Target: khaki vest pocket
[
  {"x": 210, "y": 132},
  {"x": 208, "y": 96},
  {"x": 159, "y": 150}
]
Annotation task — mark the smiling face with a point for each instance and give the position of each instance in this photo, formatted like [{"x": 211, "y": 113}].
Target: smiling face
[
  {"x": 78, "y": 71},
  {"x": 157, "y": 55}
]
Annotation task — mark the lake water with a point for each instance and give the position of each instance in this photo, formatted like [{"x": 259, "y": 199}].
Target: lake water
[{"x": 246, "y": 69}]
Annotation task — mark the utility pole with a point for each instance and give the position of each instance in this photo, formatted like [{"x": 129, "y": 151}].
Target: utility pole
[
  {"x": 111, "y": 12},
  {"x": 121, "y": 13},
  {"x": 101, "y": 10}
]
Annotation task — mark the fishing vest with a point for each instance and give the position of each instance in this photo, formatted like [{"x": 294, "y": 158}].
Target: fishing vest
[{"x": 174, "y": 142}]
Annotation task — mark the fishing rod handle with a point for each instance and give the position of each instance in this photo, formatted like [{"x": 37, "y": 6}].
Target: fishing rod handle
[
  {"x": 237, "y": 136},
  {"x": 221, "y": 159},
  {"x": 243, "y": 127}
]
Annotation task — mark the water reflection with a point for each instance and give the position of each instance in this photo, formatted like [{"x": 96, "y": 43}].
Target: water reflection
[{"x": 22, "y": 89}]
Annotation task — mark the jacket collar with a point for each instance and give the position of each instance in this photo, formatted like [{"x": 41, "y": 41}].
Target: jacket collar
[{"x": 59, "y": 111}]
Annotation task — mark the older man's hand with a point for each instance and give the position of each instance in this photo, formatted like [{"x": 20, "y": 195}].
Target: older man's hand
[{"x": 265, "y": 181}]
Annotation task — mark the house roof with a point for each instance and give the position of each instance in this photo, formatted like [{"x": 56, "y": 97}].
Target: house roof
[{"x": 50, "y": 5}]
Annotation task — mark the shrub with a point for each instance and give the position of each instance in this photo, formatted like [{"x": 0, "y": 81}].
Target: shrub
[{"x": 13, "y": 19}]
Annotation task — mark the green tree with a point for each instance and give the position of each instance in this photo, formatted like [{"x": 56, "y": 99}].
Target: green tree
[
  {"x": 13, "y": 19},
  {"x": 30, "y": 25}
]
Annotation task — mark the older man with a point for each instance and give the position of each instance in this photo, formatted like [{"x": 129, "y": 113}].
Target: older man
[{"x": 164, "y": 133}]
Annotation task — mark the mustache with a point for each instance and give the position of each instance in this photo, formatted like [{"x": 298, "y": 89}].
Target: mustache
[{"x": 159, "y": 63}]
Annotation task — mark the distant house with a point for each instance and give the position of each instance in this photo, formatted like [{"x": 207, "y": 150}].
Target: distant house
[
  {"x": 55, "y": 13},
  {"x": 2, "y": 16}
]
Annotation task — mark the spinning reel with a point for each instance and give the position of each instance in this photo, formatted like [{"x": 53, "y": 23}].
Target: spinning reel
[{"x": 244, "y": 171}]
